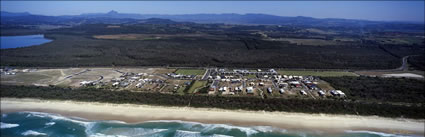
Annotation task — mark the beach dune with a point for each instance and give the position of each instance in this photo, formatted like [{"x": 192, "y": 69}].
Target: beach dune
[{"x": 131, "y": 113}]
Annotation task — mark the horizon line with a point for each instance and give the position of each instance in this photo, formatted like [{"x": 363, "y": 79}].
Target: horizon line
[{"x": 403, "y": 21}]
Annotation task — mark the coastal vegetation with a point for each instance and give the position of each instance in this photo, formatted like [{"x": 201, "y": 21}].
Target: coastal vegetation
[
  {"x": 224, "y": 102},
  {"x": 79, "y": 51},
  {"x": 402, "y": 90},
  {"x": 180, "y": 44}
]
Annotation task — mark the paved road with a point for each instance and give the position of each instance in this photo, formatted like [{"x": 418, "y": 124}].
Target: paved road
[{"x": 206, "y": 74}]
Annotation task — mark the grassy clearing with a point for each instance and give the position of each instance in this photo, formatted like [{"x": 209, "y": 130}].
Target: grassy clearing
[
  {"x": 190, "y": 71},
  {"x": 317, "y": 73},
  {"x": 196, "y": 85},
  {"x": 251, "y": 76},
  {"x": 180, "y": 91},
  {"x": 325, "y": 85},
  {"x": 313, "y": 42},
  {"x": 25, "y": 78}
]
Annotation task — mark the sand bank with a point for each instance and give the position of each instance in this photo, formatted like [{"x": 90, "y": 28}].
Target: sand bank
[{"x": 291, "y": 121}]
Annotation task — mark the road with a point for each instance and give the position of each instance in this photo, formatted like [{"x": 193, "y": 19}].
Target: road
[
  {"x": 404, "y": 64},
  {"x": 206, "y": 74}
]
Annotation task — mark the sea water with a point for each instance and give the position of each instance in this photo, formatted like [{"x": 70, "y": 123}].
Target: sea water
[
  {"x": 22, "y": 124},
  {"x": 22, "y": 41}
]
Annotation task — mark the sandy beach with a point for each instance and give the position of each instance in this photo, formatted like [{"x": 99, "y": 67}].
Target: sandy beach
[{"x": 291, "y": 121}]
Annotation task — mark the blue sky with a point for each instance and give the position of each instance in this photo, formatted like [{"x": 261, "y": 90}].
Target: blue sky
[{"x": 369, "y": 10}]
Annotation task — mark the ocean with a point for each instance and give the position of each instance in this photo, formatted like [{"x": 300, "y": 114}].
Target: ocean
[
  {"x": 22, "y": 41},
  {"x": 23, "y": 124}
]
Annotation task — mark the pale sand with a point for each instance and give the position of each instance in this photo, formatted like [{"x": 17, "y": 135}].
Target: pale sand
[
  {"x": 407, "y": 75},
  {"x": 291, "y": 121}
]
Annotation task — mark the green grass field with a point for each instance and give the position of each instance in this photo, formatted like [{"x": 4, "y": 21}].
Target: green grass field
[
  {"x": 316, "y": 73},
  {"x": 190, "y": 71},
  {"x": 251, "y": 76},
  {"x": 196, "y": 85},
  {"x": 180, "y": 91}
]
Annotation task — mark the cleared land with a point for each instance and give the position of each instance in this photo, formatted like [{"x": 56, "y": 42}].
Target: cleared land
[
  {"x": 190, "y": 71},
  {"x": 316, "y": 73},
  {"x": 198, "y": 84},
  {"x": 315, "y": 42},
  {"x": 407, "y": 74},
  {"x": 41, "y": 77},
  {"x": 148, "y": 36}
]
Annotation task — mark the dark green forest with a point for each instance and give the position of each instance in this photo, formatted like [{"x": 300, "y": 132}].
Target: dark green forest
[
  {"x": 380, "y": 89},
  {"x": 218, "y": 45},
  {"x": 224, "y": 102},
  {"x": 77, "y": 51}
]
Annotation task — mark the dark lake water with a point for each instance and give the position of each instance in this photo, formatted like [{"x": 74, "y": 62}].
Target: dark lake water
[{"x": 22, "y": 41}]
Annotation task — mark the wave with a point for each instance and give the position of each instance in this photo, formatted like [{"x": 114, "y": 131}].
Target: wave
[
  {"x": 55, "y": 124},
  {"x": 80, "y": 121},
  {"x": 7, "y": 125},
  {"x": 381, "y": 134},
  {"x": 103, "y": 135},
  {"x": 33, "y": 133},
  {"x": 249, "y": 131},
  {"x": 50, "y": 124},
  {"x": 127, "y": 131}
]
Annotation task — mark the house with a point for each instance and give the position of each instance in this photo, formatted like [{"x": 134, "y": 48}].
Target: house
[
  {"x": 269, "y": 90},
  {"x": 282, "y": 85},
  {"x": 86, "y": 83},
  {"x": 135, "y": 78},
  {"x": 250, "y": 90},
  {"x": 124, "y": 84},
  {"x": 340, "y": 93},
  {"x": 281, "y": 91},
  {"x": 139, "y": 85},
  {"x": 261, "y": 84},
  {"x": 337, "y": 93},
  {"x": 222, "y": 89},
  {"x": 295, "y": 83},
  {"x": 321, "y": 93}
]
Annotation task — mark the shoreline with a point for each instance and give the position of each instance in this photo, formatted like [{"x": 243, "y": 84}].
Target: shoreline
[{"x": 132, "y": 113}]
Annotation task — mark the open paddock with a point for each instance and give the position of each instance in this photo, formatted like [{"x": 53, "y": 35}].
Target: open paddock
[
  {"x": 190, "y": 71},
  {"x": 149, "y": 36}
]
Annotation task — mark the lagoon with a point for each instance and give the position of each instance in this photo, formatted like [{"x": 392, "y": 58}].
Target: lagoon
[{"x": 8, "y": 42}]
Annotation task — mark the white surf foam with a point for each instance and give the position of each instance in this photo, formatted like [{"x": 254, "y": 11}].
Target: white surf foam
[
  {"x": 208, "y": 127},
  {"x": 7, "y": 125},
  {"x": 266, "y": 129},
  {"x": 58, "y": 117},
  {"x": 136, "y": 132},
  {"x": 33, "y": 133},
  {"x": 183, "y": 133},
  {"x": 103, "y": 135},
  {"x": 377, "y": 133},
  {"x": 83, "y": 122},
  {"x": 50, "y": 124}
]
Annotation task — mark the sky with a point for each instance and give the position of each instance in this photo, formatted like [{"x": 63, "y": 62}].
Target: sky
[{"x": 367, "y": 10}]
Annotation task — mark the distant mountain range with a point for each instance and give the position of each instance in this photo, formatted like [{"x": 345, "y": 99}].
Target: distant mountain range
[{"x": 115, "y": 17}]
